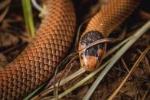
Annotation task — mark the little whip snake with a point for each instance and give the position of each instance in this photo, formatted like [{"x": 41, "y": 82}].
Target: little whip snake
[
  {"x": 99, "y": 27},
  {"x": 37, "y": 62}
]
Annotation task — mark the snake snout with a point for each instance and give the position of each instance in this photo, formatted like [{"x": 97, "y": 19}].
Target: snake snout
[
  {"x": 91, "y": 56},
  {"x": 90, "y": 62}
]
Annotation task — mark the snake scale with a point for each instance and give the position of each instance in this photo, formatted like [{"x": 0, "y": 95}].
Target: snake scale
[{"x": 37, "y": 62}]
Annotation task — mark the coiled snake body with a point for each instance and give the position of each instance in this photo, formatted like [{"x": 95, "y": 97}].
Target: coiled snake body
[
  {"x": 54, "y": 37},
  {"x": 38, "y": 61}
]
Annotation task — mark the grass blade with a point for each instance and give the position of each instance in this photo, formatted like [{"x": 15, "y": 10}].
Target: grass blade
[{"x": 28, "y": 16}]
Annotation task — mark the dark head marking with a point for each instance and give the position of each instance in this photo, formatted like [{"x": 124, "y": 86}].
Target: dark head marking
[{"x": 91, "y": 56}]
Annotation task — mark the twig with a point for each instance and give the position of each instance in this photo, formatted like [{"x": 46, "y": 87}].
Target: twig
[
  {"x": 124, "y": 64},
  {"x": 129, "y": 74}
]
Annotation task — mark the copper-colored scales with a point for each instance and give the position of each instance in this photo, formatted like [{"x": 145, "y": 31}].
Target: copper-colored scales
[{"x": 37, "y": 62}]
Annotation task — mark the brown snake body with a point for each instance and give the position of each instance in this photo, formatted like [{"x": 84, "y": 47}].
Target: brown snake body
[{"x": 37, "y": 62}]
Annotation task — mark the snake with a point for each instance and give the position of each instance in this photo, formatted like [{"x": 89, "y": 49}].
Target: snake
[
  {"x": 38, "y": 61},
  {"x": 108, "y": 18}
]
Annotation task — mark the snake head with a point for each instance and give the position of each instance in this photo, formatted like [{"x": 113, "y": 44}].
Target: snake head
[{"x": 91, "y": 54}]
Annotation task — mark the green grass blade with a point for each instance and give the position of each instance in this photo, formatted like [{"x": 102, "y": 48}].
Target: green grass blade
[{"x": 28, "y": 17}]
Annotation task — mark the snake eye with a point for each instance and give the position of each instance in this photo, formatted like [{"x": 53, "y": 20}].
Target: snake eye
[{"x": 100, "y": 53}]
